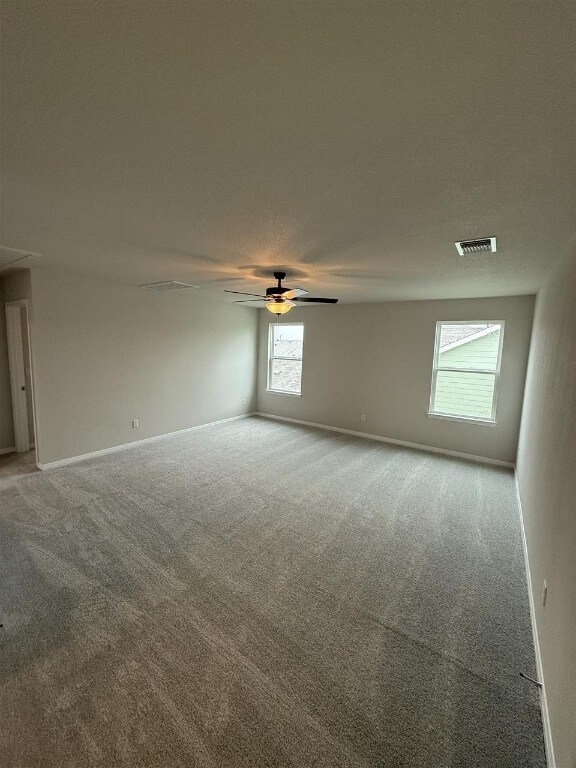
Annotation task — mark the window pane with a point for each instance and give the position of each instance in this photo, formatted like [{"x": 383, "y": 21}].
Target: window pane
[
  {"x": 286, "y": 375},
  {"x": 464, "y": 394},
  {"x": 469, "y": 346},
  {"x": 288, "y": 340}
]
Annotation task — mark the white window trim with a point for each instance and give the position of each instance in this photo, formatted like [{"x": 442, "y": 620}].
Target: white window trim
[
  {"x": 271, "y": 358},
  {"x": 436, "y": 369},
  {"x": 463, "y": 419}
]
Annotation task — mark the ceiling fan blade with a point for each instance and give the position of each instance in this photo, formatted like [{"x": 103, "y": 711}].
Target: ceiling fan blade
[
  {"x": 245, "y": 294},
  {"x": 316, "y": 301},
  {"x": 247, "y": 301},
  {"x": 294, "y": 293}
]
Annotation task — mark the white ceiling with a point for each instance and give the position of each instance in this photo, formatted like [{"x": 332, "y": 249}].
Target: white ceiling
[{"x": 350, "y": 143}]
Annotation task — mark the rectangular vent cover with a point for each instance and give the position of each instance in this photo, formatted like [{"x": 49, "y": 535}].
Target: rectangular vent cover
[
  {"x": 487, "y": 244},
  {"x": 168, "y": 285}
]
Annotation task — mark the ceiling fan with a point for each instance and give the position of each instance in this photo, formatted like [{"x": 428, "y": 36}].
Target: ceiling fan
[{"x": 280, "y": 300}]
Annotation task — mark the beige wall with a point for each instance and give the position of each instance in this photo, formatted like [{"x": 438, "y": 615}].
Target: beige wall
[
  {"x": 105, "y": 354},
  {"x": 17, "y": 285},
  {"x": 547, "y": 482},
  {"x": 376, "y": 359}
]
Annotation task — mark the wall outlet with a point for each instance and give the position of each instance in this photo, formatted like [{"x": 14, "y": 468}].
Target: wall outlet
[
  {"x": 363, "y": 417},
  {"x": 134, "y": 423},
  {"x": 243, "y": 401},
  {"x": 544, "y": 593}
]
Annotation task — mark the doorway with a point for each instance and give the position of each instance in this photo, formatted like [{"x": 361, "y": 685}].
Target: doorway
[{"x": 23, "y": 460}]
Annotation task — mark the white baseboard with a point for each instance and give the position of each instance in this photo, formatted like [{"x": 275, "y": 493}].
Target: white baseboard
[
  {"x": 115, "y": 448},
  {"x": 418, "y": 446},
  {"x": 551, "y": 761}
]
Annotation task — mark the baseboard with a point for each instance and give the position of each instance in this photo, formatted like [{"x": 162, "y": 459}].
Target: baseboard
[
  {"x": 551, "y": 762},
  {"x": 115, "y": 448},
  {"x": 404, "y": 443}
]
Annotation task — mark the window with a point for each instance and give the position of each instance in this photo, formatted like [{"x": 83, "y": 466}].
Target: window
[
  {"x": 285, "y": 345},
  {"x": 466, "y": 370}
]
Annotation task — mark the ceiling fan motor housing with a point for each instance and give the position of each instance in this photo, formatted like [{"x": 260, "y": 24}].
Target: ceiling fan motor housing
[{"x": 277, "y": 290}]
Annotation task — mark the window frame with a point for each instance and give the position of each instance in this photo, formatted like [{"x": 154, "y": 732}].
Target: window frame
[
  {"x": 436, "y": 369},
  {"x": 272, "y": 357}
]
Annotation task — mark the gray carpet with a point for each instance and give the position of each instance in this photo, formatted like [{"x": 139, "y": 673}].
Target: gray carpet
[{"x": 264, "y": 594}]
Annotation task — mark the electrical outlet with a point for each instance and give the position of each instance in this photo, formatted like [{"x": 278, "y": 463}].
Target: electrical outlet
[
  {"x": 363, "y": 417},
  {"x": 544, "y": 593},
  {"x": 134, "y": 423},
  {"x": 243, "y": 401}
]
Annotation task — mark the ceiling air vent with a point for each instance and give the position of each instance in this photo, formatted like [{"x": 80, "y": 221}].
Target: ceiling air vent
[
  {"x": 488, "y": 244},
  {"x": 168, "y": 285}
]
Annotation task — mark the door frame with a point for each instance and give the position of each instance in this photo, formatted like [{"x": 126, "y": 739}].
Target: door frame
[{"x": 15, "y": 330}]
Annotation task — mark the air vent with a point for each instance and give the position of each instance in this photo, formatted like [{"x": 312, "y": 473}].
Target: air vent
[
  {"x": 168, "y": 285},
  {"x": 486, "y": 244}
]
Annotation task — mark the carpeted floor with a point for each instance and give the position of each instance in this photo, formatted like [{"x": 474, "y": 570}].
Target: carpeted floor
[
  {"x": 263, "y": 594},
  {"x": 12, "y": 464}
]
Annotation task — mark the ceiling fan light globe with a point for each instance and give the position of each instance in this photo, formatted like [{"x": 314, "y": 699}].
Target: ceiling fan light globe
[{"x": 278, "y": 308}]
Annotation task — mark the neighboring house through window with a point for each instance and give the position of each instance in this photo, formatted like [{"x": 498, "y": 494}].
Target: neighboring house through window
[
  {"x": 466, "y": 370},
  {"x": 285, "y": 344}
]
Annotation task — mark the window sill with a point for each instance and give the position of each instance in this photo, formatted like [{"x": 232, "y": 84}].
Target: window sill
[
  {"x": 282, "y": 392},
  {"x": 463, "y": 419}
]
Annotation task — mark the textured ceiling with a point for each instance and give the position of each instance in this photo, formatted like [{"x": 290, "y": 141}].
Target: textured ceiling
[{"x": 350, "y": 143}]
